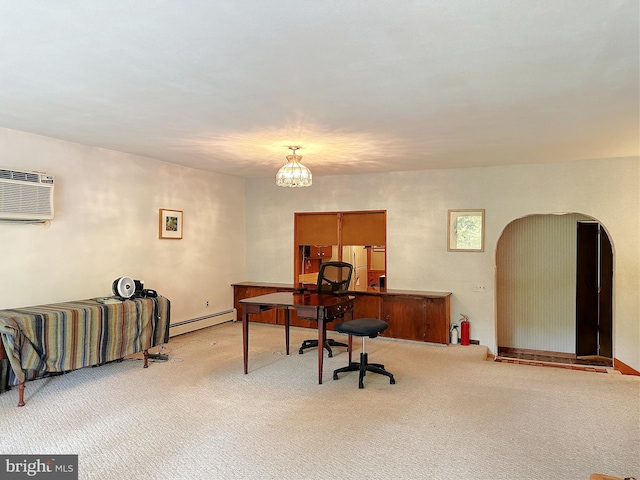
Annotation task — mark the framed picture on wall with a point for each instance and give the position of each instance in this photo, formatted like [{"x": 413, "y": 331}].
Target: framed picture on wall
[
  {"x": 466, "y": 231},
  {"x": 170, "y": 224}
]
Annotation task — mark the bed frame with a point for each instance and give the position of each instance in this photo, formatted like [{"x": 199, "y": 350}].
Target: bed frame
[{"x": 45, "y": 340}]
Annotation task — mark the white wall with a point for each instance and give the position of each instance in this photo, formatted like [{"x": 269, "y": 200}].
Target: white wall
[
  {"x": 417, "y": 204},
  {"x": 106, "y": 226}
]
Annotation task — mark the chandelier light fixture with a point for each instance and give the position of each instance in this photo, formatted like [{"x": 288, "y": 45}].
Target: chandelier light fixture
[{"x": 293, "y": 173}]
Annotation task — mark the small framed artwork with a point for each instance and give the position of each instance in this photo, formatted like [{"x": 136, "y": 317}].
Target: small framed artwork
[
  {"x": 466, "y": 231},
  {"x": 170, "y": 224}
]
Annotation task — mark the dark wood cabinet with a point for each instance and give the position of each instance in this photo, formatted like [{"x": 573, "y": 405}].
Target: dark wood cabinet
[
  {"x": 412, "y": 315},
  {"x": 405, "y": 316},
  {"x": 366, "y": 306},
  {"x": 422, "y": 318},
  {"x": 436, "y": 330}
]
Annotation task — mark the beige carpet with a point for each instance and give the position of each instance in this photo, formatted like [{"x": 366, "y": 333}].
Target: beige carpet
[{"x": 450, "y": 415}]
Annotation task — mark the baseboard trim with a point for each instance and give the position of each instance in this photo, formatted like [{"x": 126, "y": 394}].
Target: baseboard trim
[
  {"x": 193, "y": 324},
  {"x": 624, "y": 369}
]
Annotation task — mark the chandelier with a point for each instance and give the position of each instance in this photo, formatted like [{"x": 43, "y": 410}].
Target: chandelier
[{"x": 293, "y": 173}]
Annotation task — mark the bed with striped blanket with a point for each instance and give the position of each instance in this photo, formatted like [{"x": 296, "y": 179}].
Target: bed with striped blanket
[{"x": 51, "y": 339}]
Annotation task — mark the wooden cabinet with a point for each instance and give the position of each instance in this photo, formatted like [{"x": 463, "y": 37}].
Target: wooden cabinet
[
  {"x": 422, "y": 318},
  {"x": 405, "y": 316},
  {"x": 412, "y": 315},
  {"x": 314, "y": 256},
  {"x": 319, "y": 251},
  {"x": 436, "y": 329},
  {"x": 366, "y": 306}
]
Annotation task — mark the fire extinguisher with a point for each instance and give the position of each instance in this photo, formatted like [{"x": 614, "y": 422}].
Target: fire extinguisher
[
  {"x": 464, "y": 329},
  {"x": 455, "y": 335}
]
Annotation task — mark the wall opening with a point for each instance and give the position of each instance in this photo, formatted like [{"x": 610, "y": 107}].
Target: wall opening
[{"x": 537, "y": 309}]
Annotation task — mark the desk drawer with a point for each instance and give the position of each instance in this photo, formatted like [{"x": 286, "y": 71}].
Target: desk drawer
[
  {"x": 329, "y": 312},
  {"x": 337, "y": 310}
]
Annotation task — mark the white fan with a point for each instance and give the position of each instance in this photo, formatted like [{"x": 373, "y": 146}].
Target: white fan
[{"x": 123, "y": 287}]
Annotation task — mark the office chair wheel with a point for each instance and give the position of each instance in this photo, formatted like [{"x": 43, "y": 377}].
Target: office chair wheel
[
  {"x": 392, "y": 381},
  {"x": 300, "y": 352}
]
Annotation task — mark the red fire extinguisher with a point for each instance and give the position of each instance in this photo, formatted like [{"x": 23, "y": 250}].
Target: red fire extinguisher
[{"x": 464, "y": 329}]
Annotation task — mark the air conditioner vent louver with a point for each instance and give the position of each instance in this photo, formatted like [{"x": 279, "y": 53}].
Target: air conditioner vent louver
[
  {"x": 25, "y": 195},
  {"x": 20, "y": 176}
]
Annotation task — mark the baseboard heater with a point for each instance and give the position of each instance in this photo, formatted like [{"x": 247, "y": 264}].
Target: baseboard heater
[{"x": 193, "y": 324}]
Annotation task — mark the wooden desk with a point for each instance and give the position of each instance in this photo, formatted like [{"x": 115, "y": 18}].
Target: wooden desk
[
  {"x": 320, "y": 307},
  {"x": 412, "y": 315}
]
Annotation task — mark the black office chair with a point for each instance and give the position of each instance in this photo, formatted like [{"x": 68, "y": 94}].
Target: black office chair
[
  {"x": 333, "y": 277},
  {"x": 363, "y": 327}
]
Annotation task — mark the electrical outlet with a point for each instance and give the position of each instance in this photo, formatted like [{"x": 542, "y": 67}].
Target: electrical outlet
[
  {"x": 480, "y": 288},
  {"x": 207, "y": 304}
]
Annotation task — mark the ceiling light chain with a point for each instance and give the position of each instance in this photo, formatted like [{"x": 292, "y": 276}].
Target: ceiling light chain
[{"x": 293, "y": 173}]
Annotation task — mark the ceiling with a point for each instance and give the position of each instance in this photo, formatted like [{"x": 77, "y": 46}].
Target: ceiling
[{"x": 362, "y": 86}]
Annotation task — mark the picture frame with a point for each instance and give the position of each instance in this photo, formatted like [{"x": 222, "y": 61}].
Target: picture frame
[
  {"x": 465, "y": 230},
  {"x": 170, "y": 224}
]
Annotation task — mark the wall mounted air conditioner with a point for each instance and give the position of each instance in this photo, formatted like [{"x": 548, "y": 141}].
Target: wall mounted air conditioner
[{"x": 25, "y": 196}]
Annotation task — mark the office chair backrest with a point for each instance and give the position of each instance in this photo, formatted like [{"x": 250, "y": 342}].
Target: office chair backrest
[{"x": 334, "y": 277}]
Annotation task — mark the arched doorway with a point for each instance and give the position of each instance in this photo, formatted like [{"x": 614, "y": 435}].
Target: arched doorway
[{"x": 554, "y": 290}]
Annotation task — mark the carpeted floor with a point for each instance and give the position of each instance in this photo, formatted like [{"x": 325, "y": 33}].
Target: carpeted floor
[{"x": 451, "y": 415}]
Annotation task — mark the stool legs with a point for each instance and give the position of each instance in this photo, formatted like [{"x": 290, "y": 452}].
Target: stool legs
[{"x": 363, "y": 367}]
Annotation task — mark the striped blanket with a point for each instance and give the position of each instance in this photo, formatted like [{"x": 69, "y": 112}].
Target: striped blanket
[{"x": 61, "y": 337}]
